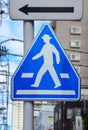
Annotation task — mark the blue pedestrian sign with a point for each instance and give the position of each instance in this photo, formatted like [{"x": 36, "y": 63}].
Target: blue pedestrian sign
[{"x": 46, "y": 73}]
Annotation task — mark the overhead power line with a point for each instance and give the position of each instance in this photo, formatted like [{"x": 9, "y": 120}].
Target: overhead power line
[{"x": 11, "y": 39}]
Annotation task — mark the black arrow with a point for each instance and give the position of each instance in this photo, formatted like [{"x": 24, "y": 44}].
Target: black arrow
[{"x": 25, "y": 9}]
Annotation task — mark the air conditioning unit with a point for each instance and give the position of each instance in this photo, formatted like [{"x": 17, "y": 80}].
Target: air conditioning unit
[
  {"x": 75, "y": 56},
  {"x": 75, "y": 30},
  {"x": 75, "y": 43}
]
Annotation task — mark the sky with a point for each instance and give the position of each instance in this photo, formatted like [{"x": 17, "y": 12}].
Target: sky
[{"x": 12, "y": 29}]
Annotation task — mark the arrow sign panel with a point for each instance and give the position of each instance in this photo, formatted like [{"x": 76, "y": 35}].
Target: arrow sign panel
[
  {"x": 27, "y": 9},
  {"x": 46, "y": 72},
  {"x": 46, "y": 9}
]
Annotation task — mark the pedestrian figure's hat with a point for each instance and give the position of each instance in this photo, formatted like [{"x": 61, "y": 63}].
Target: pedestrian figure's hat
[{"x": 46, "y": 37}]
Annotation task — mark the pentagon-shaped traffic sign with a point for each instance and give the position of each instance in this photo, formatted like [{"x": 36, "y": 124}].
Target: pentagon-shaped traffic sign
[{"x": 46, "y": 72}]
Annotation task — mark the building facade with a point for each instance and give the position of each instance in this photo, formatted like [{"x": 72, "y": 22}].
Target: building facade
[
  {"x": 73, "y": 36},
  {"x": 17, "y": 115},
  {"x": 45, "y": 119},
  {"x": 66, "y": 112},
  {"x": 44, "y": 106}
]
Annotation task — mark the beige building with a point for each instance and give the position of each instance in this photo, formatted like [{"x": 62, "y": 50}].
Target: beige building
[
  {"x": 17, "y": 115},
  {"x": 73, "y": 36}
]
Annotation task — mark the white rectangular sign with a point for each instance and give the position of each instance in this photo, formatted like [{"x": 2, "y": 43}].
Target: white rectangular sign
[{"x": 46, "y": 9}]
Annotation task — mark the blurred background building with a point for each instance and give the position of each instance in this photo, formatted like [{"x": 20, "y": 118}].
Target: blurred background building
[
  {"x": 73, "y": 38},
  {"x": 45, "y": 118},
  {"x": 4, "y": 88},
  {"x": 70, "y": 115}
]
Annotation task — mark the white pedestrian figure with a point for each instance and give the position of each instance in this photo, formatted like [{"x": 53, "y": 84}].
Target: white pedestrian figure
[{"x": 47, "y": 52}]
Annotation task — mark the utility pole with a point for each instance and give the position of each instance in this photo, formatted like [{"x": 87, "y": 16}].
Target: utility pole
[
  {"x": 4, "y": 88},
  {"x": 0, "y": 6}
]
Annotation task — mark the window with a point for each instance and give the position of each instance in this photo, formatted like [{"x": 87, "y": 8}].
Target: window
[
  {"x": 77, "y": 111},
  {"x": 50, "y": 119},
  {"x": 59, "y": 113},
  {"x": 56, "y": 117},
  {"x": 69, "y": 113}
]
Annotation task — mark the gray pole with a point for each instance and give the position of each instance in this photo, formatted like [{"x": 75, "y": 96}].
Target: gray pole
[{"x": 28, "y": 105}]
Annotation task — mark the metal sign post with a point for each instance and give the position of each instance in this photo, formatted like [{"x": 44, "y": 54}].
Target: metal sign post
[{"x": 28, "y": 106}]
